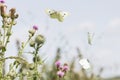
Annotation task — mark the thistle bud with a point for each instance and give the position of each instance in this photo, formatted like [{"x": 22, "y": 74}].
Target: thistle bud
[
  {"x": 35, "y": 27},
  {"x": 32, "y": 32},
  {"x": 39, "y": 39},
  {"x": 12, "y": 13},
  {"x": 3, "y": 10},
  {"x": 32, "y": 43}
]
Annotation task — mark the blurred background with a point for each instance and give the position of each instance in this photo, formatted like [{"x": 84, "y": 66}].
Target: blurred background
[{"x": 101, "y": 17}]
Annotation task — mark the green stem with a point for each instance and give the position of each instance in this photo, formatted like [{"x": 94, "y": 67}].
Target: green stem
[
  {"x": 59, "y": 78},
  {"x": 11, "y": 68},
  {"x": 35, "y": 63},
  {"x": 2, "y": 69},
  {"x": 37, "y": 49},
  {"x": 4, "y": 31},
  {"x": 8, "y": 37},
  {"x": 21, "y": 60},
  {"x": 2, "y": 62},
  {"x": 22, "y": 48}
]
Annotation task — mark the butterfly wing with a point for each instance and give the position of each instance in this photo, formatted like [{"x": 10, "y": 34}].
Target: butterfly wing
[
  {"x": 51, "y": 13},
  {"x": 85, "y": 64},
  {"x": 61, "y": 15}
]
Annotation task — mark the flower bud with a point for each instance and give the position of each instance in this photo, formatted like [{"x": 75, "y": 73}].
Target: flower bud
[
  {"x": 35, "y": 27},
  {"x": 12, "y": 13},
  {"x": 3, "y": 10},
  {"x": 39, "y": 39},
  {"x": 32, "y": 43},
  {"x": 32, "y": 32}
]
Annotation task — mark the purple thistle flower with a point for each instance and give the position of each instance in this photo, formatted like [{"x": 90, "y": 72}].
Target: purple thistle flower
[
  {"x": 65, "y": 68},
  {"x": 60, "y": 73},
  {"x": 57, "y": 64},
  {"x": 2, "y": 1},
  {"x": 35, "y": 27}
]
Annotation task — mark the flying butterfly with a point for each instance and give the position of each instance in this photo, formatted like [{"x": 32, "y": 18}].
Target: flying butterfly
[
  {"x": 59, "y": 15},
  {"x": 85, "y": 64}
]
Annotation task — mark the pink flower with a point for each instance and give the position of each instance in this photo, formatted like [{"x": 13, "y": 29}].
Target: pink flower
[
  {"x": 35, "y": 27},
  {"x": 65, "y": 67},
  {"x": 60, "y": 73},
  {"x": 2, "y": 1},
  {"x": 57, "y": 64}
]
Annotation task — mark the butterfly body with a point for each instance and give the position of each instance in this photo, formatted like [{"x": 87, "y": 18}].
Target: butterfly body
[
  {"x": 59, "y": 15},
  {"x": 51, "y": 13}
]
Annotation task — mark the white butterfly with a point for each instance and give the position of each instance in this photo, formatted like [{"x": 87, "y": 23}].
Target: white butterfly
[
  {"x": 59, "y": 15},
  {"x": 85, "y": 64},
  {"x": 90, "y": 38}
]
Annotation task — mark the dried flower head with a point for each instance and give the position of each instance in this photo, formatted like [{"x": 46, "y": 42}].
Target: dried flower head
[
  {"x": 3, "y": 10},
  {"x": 12, "y": 13}
]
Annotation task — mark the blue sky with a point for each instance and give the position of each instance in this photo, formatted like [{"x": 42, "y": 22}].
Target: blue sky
[{"x": 101, "y": 17}]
